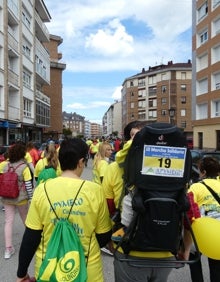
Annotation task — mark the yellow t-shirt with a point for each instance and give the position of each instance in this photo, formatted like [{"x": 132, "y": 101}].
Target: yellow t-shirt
[
  {"x": 203, "y": 197},
  {"x": 89, "y": 216},
  {"x": 113, "y": 182},
  {"x": 99, "y": 171},
  {"x": 28, "y": 157},
  {"x": 41, "y": 165},
  {"x": 2, "y": 165}
]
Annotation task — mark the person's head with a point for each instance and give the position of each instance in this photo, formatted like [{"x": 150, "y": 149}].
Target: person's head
[
  {"x": 131, "y": 129},
  {"x": 16, "y": 152},
  {"x": 71, "y": 152},
  {"x": 30, "y": 145},
  {"x": 105, "y": 150},
  {"x": 51, "y": 155},
  {"x": 209, "y": 167}
]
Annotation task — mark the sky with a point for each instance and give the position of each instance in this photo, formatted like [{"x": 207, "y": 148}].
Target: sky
[{"x": 105, "y": 42}]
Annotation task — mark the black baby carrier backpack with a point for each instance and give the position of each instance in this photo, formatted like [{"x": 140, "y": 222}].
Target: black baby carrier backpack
[{"x": 156, "y": 175}]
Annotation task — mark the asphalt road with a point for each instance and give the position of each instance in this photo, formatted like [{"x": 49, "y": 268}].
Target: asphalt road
[{"x": 8, "y": 267}]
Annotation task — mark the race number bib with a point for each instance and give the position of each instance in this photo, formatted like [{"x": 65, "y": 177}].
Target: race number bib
[{"x": 163, "y": 161}]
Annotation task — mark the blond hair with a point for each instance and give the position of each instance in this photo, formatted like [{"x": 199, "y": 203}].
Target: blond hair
[
  {"x": 51, "y": 156},
  {"x": 101, "y": 154}
]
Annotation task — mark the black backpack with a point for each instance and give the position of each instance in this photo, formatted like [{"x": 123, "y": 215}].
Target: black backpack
[{"x": 157, "y": 171}]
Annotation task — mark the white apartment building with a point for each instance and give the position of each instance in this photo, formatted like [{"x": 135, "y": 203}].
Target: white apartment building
[
  {"x": 112, "y": 121},
  {"x": 24, "y": 69}
]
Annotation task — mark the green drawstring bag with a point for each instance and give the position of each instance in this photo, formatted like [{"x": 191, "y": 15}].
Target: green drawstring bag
[{"x": 64, "y": 259}]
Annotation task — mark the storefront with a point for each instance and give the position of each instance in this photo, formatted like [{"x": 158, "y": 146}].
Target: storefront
[{"x": 10, "y": 132}]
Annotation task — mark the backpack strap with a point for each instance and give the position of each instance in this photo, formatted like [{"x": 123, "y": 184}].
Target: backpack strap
[
  {"x": 72, "y": 203},
  {"x": 214, "y": 194}
]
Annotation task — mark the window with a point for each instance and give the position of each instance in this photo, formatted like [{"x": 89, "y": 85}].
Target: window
[
  {"x": 26, "y": 79},
  {"x": 163, "y": 112},
  {"x": 202, "y": 86},
  {"x": 216, "y": 27},
  {"x": 183, "y": 87},
  {"x": 141, "y": 82},
  {"x": 26, "y": 19},
  {"x": 183, "y": 112},
  {"x": 183, "y": 124},
  {"x": 215, "y": 3},
  {"x": 202, "y": 62},
  {"x": 152, "y": 114},
  {"x": 202, "y": 11},
  {"x": 183, "y": 75},
  {"x": 40, "y": 67},
  {"x": 216, "y": 108},
  {"x": 42, "y": 113},
  {"x": 141, "y": 93},
  {"x": 152, "y": 103},
  {"x": 203, "y": 37},
  {"x": 152, "y": 79},
  {"x": 163, "y": 88},
  {"x": 27, "y": 107},
  {"x": 163, "y": 101},
  {"x": 141, "y": 115},
  {"x": 215, "y": 54},
  {"x": 152, "y": 91},
  {"x": 26, "y": 50},
  {"x": 132, "y": 94},
  {"x": 163, "y": 76},
  {"x": 131, "y": 83},
  {"x": 202, "y": 111},
  {"x": 132, "y": 105},
  {"x": 141, "y": 104},
  {"x": 183, "y": 99},
  {"x": 216, "y": 81}
]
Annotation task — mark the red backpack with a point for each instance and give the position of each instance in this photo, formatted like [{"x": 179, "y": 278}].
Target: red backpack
[{"x": 9, "y": 182}]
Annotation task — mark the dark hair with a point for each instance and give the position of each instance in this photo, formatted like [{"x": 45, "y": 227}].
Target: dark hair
[
  {"x": 16, "y": 152},
  {"x": 71, "y": 151},
  {"x": 129, "y": 126},
  {"x": 210, "y": 165}
]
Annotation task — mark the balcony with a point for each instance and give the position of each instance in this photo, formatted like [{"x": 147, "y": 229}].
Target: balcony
[
  {"x": 13, "y": 12},
  {"x": 42, "y": 97},
  {"x": 13, "y": 43},
  {"x": 13, "y": 79},
  {"x": 42, "y": 32},
  {"x": 13, "y": 113}
]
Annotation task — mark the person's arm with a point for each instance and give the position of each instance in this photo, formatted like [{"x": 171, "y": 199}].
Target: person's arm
[
  {"x": 30, "y": 241},
  {"x": 187, "y": 242},
  {"x": 104, "y": 238},
  {"x": 29, "y": 189}
]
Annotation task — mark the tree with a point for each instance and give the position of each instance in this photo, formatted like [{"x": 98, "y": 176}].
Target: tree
[{"x": 67, "y": 132}]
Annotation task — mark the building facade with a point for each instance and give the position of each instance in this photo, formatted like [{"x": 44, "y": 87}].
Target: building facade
[
  {"x": 74, "y": 122},
  {"x": 111, "y": 121},
  {"x": 206, "y": 74},
  {"x": 54, "y": 90},
  {"x": 160, "y": 94},
  {"x": 24, "y": 70},
  {"x": 96, "y": 130}
]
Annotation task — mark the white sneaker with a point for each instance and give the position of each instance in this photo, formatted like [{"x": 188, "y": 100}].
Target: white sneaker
[{"x": 9, "y": 252}]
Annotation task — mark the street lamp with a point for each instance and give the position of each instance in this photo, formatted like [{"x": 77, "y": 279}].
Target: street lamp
[{"x": 172, "y": 112}]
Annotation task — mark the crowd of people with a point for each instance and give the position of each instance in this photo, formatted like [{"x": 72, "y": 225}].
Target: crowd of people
[{"x": 101, "y": 199}]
